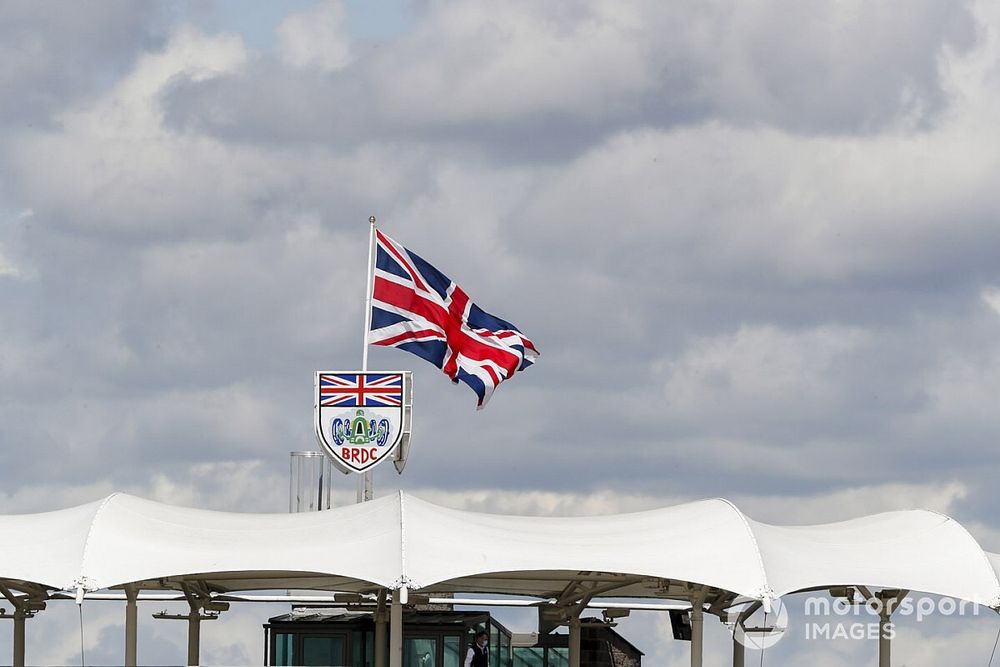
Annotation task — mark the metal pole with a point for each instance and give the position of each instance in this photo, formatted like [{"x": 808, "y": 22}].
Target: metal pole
[
  {"x": 131, "y": 625},
  {"x": 574, "y": 641},
  {"x": 365, "y": 483},
  {"x": 291, "y": 484},
  {"x": 368, "y": 291},
  {"x": 697, "y": 626},
  {"x": 886, "y": 601},
  {"x": 194, "y": 636},
  {"x": 396, "y": 631},
  {"x": 380, "y": 630},
  {"x": 19, "y": 617},
  {"x": 739, "y": 630},
  {"x": 884, "y": 641}
]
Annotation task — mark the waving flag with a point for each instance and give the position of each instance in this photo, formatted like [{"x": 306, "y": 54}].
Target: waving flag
[{"x": 417, "y": 308}]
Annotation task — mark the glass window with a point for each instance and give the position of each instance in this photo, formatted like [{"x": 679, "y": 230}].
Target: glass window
[
  {"x": 358, "y": 657},
  {"x": 529, "y": 656},
  {"x": 420, "y": 652},
  {"x": 494, "y": 638},
  {"x": 284, "y": 649},
  {"x": 323, "y": 651},
  {"x": 496, "y": 655},
  {"x": 453, "y": 656},
  {"x": 558, "y": 657},
  {"x": 505, "y": 657}
]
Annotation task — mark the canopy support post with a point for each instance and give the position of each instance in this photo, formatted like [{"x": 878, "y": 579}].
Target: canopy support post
[
  {"x": 574, "y": 641},
  {"x": 196, "y": 599},
  {"x": 396, "y": 629},
  {"x": 131, "y": 624},
  {"x": 380, "y": 622},
  {"x": 884, "y": 642},
  {"x": 739, "y": 648},
  {"x": 574, "y": 599},
  {"x": 19, "y": 617},
  {"x": 199, "y": 597},
  {"x": 24, "y": 608},
  {"x": 697, "y": 627},
  {"x": 884, "y": 602},
  {"x": 194, "y": 636}
]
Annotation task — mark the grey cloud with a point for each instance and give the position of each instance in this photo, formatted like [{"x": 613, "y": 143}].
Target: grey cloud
[
  {"x": 54, "y": 53},
  {"x": 528, "y": 86},
  {"x": 824, "y": 67},
  {"x": 213, "y": 258}
]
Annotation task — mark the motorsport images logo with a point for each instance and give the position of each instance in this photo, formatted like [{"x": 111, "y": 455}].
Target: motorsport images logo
[
  {"x": 772, "y": 628},
  {"x": 845, "y": 616}
]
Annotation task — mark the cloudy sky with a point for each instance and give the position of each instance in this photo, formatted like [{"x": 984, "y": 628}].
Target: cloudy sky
[{"x": 755, "y": 242}]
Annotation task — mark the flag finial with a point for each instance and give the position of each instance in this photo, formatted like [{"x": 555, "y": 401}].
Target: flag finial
[{"x": 371, "y": 220}]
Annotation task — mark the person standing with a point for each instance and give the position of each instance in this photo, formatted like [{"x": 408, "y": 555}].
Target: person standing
[{"x": 479, "y": 652}]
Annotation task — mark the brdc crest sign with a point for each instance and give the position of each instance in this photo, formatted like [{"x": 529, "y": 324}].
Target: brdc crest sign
[{"x": 362, "y": 417}]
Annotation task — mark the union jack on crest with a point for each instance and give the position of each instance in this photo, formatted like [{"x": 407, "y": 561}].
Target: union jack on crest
[
  {"x": 360, "y": 390},
  {"x": 417, "y": 308}
]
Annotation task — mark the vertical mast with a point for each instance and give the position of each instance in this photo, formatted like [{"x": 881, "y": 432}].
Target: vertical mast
[
  {"x": 365, "y": 479},
  {"x": 368, "y": 291}
]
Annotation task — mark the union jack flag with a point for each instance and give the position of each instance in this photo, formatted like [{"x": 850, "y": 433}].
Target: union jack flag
[
  {"x": 417, "y": 308},
  {"x": 360, "y": 390}
]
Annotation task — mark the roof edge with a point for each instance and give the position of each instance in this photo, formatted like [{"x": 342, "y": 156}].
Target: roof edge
[{"x": 766, "y": 592}]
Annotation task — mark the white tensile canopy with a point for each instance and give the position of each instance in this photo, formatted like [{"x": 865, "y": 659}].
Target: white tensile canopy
[{"x": 706, "y": 552}]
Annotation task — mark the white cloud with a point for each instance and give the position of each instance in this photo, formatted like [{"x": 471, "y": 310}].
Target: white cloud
[
  {"x": 131, "y": 110},
  {"x": 766, "y": 205},
  {"x": 114, "y": 155},
  {"x": 7, "y": 268},
  {"x": 481, "y": 64},
  {"x": 851, "y": 502},
  {"x": 991, "y": 297},
  {"x": 315, "y": 38},
  {"x": 474, "y": 61},
  {"x": 783, "y": 509}
]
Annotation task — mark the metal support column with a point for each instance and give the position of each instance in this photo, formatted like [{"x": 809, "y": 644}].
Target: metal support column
[
  {"x": 24, "y": 608},
  {"x": 194, "y": 636},
  {"x": 396, "y": 630},
  {"x": 884, "y": 642},
  {"x": 380, "y": 622},
  {"x": 199, "y": 598},
  {"x": 19, "y": 617},
  {"x": 885, "y": 602},
  {"x": 574, "y": 641},
  {"x": 739, "y": 633},
  {"x": 697, "y": 627},
  {"x": 131, "y": 625}
]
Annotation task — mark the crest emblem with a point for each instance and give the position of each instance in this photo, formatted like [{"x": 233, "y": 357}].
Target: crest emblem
[{"x": 361, "y": 417}]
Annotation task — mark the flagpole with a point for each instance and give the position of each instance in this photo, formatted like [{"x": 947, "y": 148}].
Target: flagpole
[{"x": 365, "y": 486}]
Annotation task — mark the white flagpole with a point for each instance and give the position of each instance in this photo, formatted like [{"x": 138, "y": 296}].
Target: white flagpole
[
  {"x": 365, "y": 485},
  {"x": 368, "y": 291}
]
